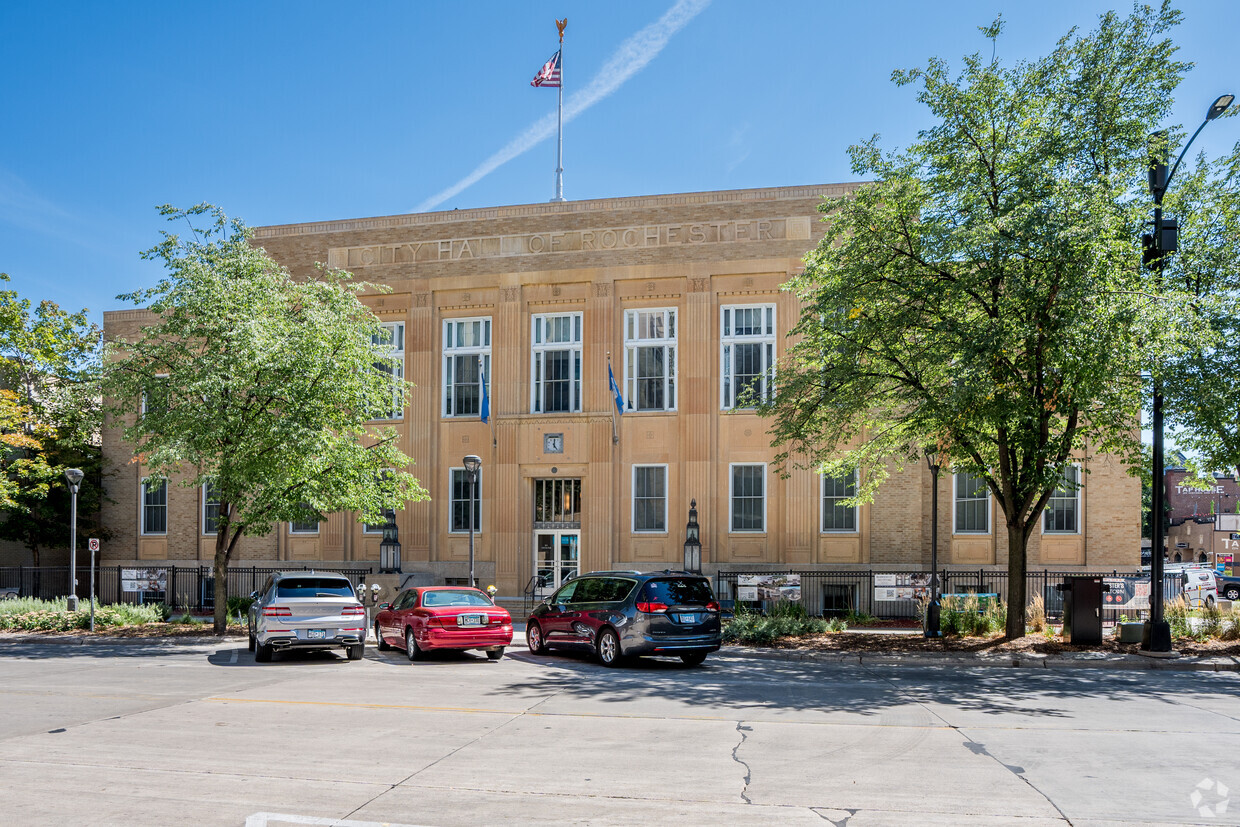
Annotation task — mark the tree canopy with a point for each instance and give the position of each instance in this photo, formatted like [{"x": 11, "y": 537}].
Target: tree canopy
[
  {"x": 263, "y": 385},
  {"x": 985, "y": 294},
  {"x": 50, "y": 419}
]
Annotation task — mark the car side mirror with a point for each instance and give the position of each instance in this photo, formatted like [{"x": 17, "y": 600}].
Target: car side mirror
[
  {"x": 383, "y": 606},
  {"x": 254, "y": 595}
]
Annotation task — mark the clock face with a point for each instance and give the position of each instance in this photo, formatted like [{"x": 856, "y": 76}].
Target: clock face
[{"x": 553, "y": 443}]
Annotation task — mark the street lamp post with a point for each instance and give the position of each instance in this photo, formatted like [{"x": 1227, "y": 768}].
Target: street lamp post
[
  {"x": 389, "y": 547},
  {"x": 74, "y": 477},
  {"x": 1162, "y": 243},
  {"x": 693, "y": 543},
  {"x": 932, "y": 608},
  {"x": 472, "y": 464}
]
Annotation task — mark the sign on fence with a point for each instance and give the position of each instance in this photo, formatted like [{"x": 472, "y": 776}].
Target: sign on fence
[
  {"x": 144, "y": 580},
  {"x": 901, "y": 586},
  {"x": 768, "y": 587},
  {"x": 1126, "y": 593}
]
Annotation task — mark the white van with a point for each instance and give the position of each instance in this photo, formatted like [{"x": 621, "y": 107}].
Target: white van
[{"x": 1199, "y": 587}]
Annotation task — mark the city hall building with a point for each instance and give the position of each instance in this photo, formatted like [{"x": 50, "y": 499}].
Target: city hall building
[{"x": 679, "y": 297}]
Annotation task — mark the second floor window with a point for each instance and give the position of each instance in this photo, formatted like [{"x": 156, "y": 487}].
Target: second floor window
[
  {"x": 155, "y": 507},
  {"x": 748, "y": 354},
  {"x": 210, "y": 508},
  {"x": 650, "y": 359},
  {"x": 556, "y": 363},
  {"x": 972, "y": 505},
  {"x": 1062, "y": 514},
  {"x": 466, "y": 358},
  {"x": 389, "y": 342},
  {"x": 835, "y": 515}
]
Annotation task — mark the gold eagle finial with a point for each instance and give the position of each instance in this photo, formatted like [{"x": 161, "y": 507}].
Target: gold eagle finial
[{"x": 560, "y": 24}]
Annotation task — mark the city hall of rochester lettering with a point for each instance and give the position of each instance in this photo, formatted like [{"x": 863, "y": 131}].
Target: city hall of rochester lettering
[{"x": 679, "y": 295}]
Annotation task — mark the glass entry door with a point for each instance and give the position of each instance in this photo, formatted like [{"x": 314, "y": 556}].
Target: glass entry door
[{"x": 557, "y": 559}]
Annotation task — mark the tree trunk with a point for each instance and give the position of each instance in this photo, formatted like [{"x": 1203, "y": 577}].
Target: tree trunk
[
  {"x": 221, "y": 586},
  {"x": 1017, "y": 561}
]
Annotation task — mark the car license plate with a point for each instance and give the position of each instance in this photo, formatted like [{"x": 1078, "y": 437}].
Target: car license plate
[
  {"x": 315, "y": 633},
  {"x": 471, "y": 620},
  {"x": 688, "y": 618}
]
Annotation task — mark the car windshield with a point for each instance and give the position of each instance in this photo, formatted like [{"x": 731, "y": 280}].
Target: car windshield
[
  {"x": 313, "y": 587},
  {"x": 677, "y": 591},
  {"x": 455, "y": 597}
]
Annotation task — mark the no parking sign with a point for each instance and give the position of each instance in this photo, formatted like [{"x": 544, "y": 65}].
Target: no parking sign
[{"x": 93, "y": 542}]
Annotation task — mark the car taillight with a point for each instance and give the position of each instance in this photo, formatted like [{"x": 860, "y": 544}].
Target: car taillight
[
  {"x": 712, "y": 606},
  {"x": 277, "y": 611},
  {"x": 651, "y": 608},
  {"x": 353, "y": 611}
]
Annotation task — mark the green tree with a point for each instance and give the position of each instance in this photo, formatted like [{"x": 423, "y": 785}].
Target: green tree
[
  {"x": 1202, "y": 385},
  {"x": 260, "y": 384},
  {"x": 49, "y": 368},
  {"x": 985, "y": 295}
]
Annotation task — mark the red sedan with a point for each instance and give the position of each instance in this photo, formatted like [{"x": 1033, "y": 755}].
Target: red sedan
[{"x": 443, "y": 617}]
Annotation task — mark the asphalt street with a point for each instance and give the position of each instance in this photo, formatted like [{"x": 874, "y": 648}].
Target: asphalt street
[{"x": 197, "y": 733}]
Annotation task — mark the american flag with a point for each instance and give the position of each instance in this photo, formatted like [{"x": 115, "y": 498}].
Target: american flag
[{"x": 549, "y": 74}]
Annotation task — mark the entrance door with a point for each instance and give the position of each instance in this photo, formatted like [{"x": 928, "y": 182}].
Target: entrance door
[{"x": 557, "y": 556}]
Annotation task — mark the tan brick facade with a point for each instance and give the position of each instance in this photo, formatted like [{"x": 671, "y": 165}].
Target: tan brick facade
[{"x": 693, "y": 253}]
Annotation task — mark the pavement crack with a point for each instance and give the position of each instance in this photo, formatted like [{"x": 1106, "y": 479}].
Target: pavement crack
[
  {"x": 980, "y": 749},
  {"x": 743, "y": 730},
  {"x": 843, "y": 822}
]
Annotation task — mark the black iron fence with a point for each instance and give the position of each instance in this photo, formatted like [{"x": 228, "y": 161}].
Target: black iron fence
[
  {"x": 890, "y": 595},
  {"x": 181, "y": 588}
]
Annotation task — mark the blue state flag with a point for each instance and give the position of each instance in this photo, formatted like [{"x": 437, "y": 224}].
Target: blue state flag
[
  {"x": 615, "y": 390},
  {"x": 486, "y": 400}
]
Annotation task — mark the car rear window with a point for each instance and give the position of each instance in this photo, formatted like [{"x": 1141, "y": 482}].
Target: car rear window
[
  {"x": 603, "y": 590},
  {"x": 675, "y": 591},
  {"x": 314, "y": 587},
  {"x": 453, "y": 597}
]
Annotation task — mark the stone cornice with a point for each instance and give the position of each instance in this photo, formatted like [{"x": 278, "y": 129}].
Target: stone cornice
[{"x": 602, "y": 205}]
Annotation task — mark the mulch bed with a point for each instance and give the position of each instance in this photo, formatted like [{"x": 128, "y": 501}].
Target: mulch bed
[{"x": 1032, "y": 644}]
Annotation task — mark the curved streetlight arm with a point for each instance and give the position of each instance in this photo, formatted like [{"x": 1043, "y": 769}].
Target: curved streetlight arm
[{"x": 1158, "y": 196}]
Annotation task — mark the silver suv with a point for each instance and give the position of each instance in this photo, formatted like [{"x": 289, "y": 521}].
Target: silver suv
[{"x": 306, "y": 610}]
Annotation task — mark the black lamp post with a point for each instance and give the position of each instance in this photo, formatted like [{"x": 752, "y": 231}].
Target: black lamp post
[
  {"x": 693, "y": 545},
  {"x": 74, "y": 478},
  {"x": 389, "y": 547},
  {"x": 933, "y": 628},
  {"x": 472, "y": 464},
  {"x": 1157, "y": 246}
]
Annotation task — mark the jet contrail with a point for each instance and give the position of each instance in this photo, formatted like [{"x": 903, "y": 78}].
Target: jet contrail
[{"x": 629, "y": 59}]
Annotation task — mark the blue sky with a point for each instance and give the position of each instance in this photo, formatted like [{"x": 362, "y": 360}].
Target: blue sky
[{"x": 284, "y": 112}]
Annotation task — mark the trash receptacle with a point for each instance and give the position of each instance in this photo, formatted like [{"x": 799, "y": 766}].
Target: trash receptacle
[{"x": 1082, "y": 609}]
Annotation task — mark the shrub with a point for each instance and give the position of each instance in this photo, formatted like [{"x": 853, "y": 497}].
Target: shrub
[
  {"x": 791, "y": 620},
  {"x": 239, "y": 605},
  {"x": 856, "y": 617},
  {"x": 967, "y": 618},
  {"x": 53, "y": 616},
  {"x": 1176, "y": 614},
  {"x": 1035, "y": 614}
]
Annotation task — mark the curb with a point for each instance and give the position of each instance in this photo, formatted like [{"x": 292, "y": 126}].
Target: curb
[{"x": 1120, "y": 662}]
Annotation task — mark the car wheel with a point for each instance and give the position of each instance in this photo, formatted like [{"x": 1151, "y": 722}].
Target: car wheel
[
  {"x": 356, "y": 651},
  {"x": 608, "y": 648},
  {"x": 495, "y": 654},
  {"x": 380, "y": 644},
  {"x": 1210, "y": 600},
  {"x": 411, "y": 645},
  {"x": 1232, "y": 593},
  {"x": 693, "y": 658},
  {"x": 262, "y": 652},
  {"x": 534, "y": 639}
]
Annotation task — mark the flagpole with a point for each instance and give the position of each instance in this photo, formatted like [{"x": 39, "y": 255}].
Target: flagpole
[{"x": 559, "y": 156}]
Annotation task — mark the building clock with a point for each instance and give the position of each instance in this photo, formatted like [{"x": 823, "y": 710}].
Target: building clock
[{"x": 553, "y": 443}]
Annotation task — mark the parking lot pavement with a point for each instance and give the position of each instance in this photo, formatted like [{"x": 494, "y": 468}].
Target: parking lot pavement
[{"x": 129, "y": 733}]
